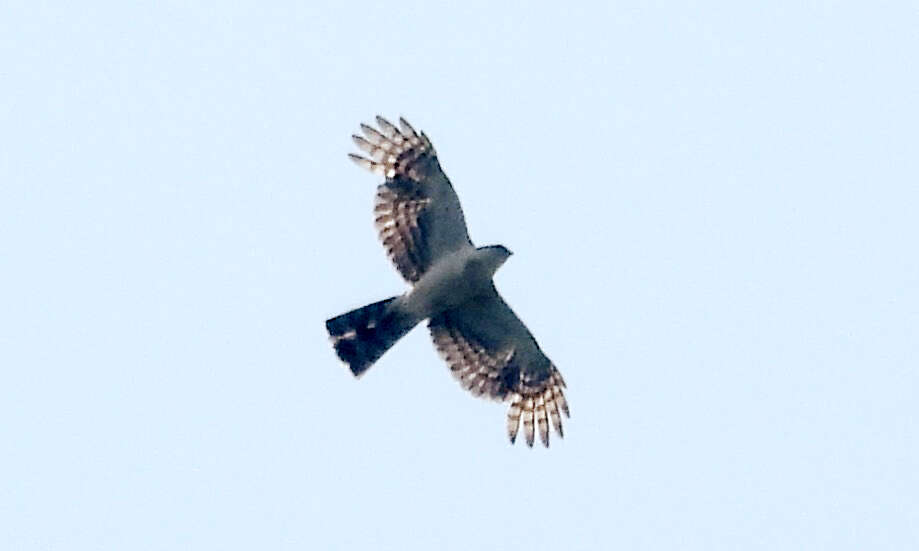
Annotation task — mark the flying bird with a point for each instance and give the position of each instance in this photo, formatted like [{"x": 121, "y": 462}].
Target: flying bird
[{"x": 419, "y": 219}]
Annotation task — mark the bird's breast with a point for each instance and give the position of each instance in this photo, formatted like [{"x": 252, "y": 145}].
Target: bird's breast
[{"x": 449, "y": 282}]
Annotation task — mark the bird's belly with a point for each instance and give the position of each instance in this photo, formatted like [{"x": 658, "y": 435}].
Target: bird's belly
[{"x": 446, "y": 285}]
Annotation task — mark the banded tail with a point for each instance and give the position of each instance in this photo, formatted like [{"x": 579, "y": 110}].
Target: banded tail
[{"x": 361, "y": 336}]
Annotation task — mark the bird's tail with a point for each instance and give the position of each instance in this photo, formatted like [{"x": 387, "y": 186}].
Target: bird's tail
[{"x": 361, "y": 336}]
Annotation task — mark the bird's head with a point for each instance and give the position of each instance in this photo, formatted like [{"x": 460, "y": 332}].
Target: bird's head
[{"x": 493, "y": 256}]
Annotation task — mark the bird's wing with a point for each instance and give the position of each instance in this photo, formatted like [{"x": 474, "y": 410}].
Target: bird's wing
[
  {"x": 417, "y": 213},
  {"x": 493, "y": 354}
]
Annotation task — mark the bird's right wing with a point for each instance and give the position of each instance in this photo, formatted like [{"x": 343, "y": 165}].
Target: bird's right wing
[
  {"x": 492, "y": 353},
  {"x": 417, "y": 213}
]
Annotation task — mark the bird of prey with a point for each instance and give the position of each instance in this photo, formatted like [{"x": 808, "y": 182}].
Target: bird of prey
[{"x": 421, "y": 224}]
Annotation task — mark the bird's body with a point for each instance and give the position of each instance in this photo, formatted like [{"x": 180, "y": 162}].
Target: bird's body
[
  {"x": 424, "y": 232},
  {"x": 452, "y": 280}
]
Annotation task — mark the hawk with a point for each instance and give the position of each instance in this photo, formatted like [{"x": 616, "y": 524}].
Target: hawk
[{"x": 421, "y": 224}]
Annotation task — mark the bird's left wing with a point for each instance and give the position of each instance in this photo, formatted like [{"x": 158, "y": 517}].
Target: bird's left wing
[
  {"x": 492, "y": 353},
  {"x": 417, "y": 212}
]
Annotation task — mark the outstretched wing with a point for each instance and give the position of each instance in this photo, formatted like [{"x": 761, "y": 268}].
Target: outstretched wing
[
  {"x": 492, "y": 353},
  {"x": 417, "y": 213}
]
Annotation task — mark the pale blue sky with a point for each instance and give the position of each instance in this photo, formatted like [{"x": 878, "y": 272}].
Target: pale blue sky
[{"x": 713, "y": 210}]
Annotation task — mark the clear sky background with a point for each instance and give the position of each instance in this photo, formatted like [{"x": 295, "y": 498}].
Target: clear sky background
[{"x": 713, "y": 213}]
